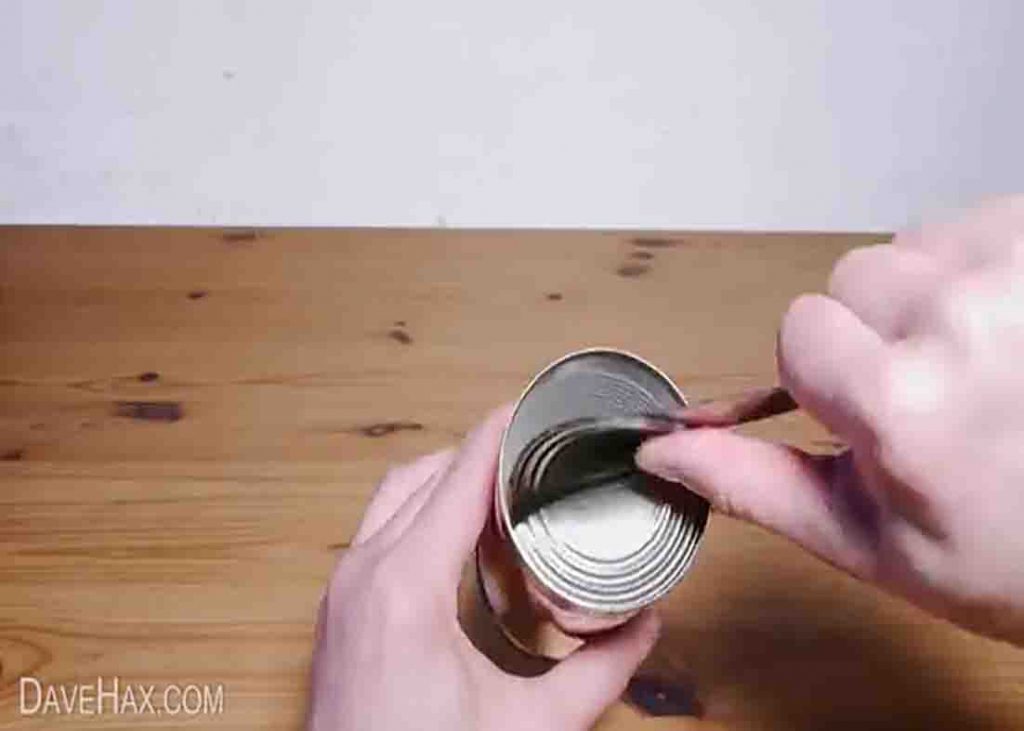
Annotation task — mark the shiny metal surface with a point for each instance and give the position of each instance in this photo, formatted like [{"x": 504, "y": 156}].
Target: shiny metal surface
[{"x": 602, "y": 551}]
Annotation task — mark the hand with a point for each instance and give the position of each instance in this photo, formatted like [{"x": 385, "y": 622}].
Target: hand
[
  {"x": 390, "y": 654},
  {"x": 916, "y": 360}
]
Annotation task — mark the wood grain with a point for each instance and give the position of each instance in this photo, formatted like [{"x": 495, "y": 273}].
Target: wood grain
[{"x": 191, "y": 421}]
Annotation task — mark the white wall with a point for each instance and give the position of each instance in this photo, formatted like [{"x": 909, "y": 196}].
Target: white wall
[{"x": 810, "y": 114}]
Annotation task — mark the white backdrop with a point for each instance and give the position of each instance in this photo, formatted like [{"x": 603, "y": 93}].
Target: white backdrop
[{"x": 806, "y": 114}]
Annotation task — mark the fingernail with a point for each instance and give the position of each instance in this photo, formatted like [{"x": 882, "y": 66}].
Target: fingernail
[
  {"x": 664, "y": 458},
  {"x": 651, "y": 458}
]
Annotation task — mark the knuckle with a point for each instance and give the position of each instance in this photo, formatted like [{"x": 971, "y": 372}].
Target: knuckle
[
  {"x": 849, "y": 273},
  {"x": 914, "y": 391},
  {"x": 342, "y": 577},
  {"x": 800, "y": 312},
  {"x": 391, "y": 475},
  {"x": 977, "y": 304},
  {"x": 372, "y": 594},
  {"x": 381, "y": 582},
  {"x": 897, "y": 388},
  {"x": 798, "y": 336},
  {"x": 953, "y": 309},
  {"x": 389, "y": 591},
  {"x": 898, "y": 393},
  {"x": 800, "y": 308},
  {"x": 987, "y": 303},
  {"x": 401, "y": 472}
]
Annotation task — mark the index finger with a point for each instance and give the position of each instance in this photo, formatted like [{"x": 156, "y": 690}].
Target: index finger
[{"x": 449, "y": 524}]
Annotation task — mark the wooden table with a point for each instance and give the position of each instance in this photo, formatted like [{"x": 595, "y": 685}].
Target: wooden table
[{"x": 193, "y": 419}]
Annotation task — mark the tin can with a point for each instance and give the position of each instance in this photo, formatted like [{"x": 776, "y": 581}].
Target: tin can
[{"x": 591, "y": 559}]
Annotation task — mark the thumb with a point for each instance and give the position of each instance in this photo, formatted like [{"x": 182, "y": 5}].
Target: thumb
[
  {"x": 815, "y": 500},
  {"x": 583, "y": 685}
]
